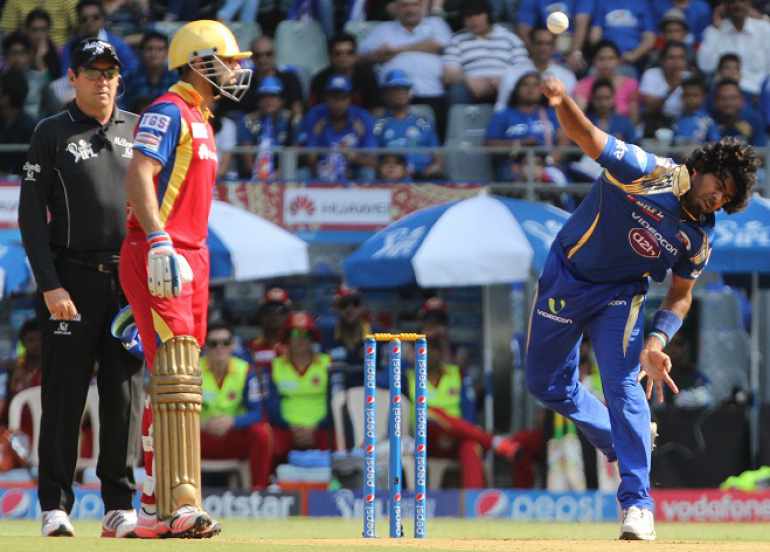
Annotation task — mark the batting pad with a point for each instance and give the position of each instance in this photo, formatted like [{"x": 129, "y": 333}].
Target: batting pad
[{"x": 176, "y": 408}]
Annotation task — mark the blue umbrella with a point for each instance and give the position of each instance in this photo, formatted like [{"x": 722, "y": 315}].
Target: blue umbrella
[
  {"x": 476, "y": 241},
  {"x": 741, "y": 244},
  {"x": 15, "y": 274},
  {"x": 479, "y": 241}
]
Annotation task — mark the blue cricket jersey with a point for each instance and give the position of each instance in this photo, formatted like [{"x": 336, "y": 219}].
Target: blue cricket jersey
[{"x": 631, "y": 225}]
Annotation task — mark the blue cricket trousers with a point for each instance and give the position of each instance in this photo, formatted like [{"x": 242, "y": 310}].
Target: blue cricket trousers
[{"x": 611, "y": 314}]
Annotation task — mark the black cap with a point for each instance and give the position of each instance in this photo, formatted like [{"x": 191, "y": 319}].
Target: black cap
[{"x": 89, "y": 50}]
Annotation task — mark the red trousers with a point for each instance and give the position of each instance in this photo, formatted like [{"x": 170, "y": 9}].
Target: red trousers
[
  {"x": 253, "y": 443},
  {"x": 283, "y": 442},
  {"x": 453, "y": 437},
  {"x": 158, "y": 320}
]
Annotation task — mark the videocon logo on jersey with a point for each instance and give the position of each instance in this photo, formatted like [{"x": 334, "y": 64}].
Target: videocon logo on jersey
[{"x": 556, "y": 305}]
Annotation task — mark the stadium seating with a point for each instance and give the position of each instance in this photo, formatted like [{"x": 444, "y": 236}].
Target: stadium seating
[
  {"x": 301, "y": 44},
  {"x": 467, "y": 127}
]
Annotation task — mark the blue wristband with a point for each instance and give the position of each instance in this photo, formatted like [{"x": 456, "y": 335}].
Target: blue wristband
[{"x": 666, "y": 322}]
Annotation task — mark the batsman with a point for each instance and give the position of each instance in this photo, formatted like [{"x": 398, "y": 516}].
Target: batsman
[{"x": 164, "y": 268}]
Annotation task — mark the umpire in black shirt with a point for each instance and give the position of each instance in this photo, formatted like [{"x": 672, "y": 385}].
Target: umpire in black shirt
[{"x": 72, "y": 216}]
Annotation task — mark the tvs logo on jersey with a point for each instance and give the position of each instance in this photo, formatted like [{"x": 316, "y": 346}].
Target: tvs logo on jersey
[
  {"x": 644, "y": 243},
  {"x": 155, "y": 121}
]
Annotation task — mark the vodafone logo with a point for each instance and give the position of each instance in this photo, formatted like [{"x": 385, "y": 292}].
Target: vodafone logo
[
  {"x": 15, "y": 503},
  {"x": 492, "y": 503},
  {"x": 644, "y": 243}
]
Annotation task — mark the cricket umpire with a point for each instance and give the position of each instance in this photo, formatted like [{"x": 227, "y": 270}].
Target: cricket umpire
[{"x": 72, "y": 215}]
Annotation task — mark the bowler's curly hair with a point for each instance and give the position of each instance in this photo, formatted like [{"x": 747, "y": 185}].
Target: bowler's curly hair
[{"x": 728, "y": 157}]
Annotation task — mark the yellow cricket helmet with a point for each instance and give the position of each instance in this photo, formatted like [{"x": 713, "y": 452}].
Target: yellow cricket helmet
[
  {"x": 202, "y": 45},
  {"x": 203, "y": 38}
]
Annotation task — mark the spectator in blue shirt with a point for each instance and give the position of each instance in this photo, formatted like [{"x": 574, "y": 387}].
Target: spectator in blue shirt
[
  {"x": 268, "y": 127},
  {"x": 601, "y": 112},
  {"x": 343, "y": 128},
  {"x": 525, "y": 122},
  {"x": 627, "y": 23},
  {"x": 91, "y": 23},
  {"x": 152, "y": 78},
  {"x": 695, "y": 126},
  {"x": 696, "y": 12},
  {"x": 400, "y": 128},
  {"x": 734, "y": 118}
]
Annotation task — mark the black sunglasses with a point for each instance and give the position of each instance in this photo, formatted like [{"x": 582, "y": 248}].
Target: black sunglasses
[
  {"x": 91, "y": 73},
  {"x": 214, "y": 343}
]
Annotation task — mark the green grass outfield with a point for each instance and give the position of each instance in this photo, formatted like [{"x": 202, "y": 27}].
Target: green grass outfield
[{"x": 337, "y": 535}]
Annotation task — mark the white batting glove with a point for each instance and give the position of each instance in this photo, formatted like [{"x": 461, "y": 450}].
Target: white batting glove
[{"x": 167, "y": 270}]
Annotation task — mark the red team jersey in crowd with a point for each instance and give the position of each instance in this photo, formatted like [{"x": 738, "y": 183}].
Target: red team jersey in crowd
[{"x": 175, "y": 132}]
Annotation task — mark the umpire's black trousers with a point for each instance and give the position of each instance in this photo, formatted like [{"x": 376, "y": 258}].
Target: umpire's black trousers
[{"x": 70, "y": 352}]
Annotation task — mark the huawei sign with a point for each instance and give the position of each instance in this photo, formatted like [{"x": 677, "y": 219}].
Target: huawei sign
[
  {"x": 302, "y": 203},
  {"x": 644, "y": 243}
]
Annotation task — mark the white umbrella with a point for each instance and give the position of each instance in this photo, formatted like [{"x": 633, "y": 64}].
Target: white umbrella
[{"x": 244, "y": 246}]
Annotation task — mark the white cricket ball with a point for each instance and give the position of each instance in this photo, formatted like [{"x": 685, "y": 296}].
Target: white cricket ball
[{"x": 557, "y": 22}]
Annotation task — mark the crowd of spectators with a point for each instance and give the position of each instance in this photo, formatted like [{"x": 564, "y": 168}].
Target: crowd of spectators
[
  {"x": 266, "y": 397},
  {"x": 676, "y": 72}
]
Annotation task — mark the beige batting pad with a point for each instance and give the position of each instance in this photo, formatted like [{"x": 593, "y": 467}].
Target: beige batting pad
[{"x": 176, "y": 407}]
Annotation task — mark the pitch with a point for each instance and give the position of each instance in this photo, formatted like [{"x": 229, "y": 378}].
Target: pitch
[{"x": 453, "y": 535}]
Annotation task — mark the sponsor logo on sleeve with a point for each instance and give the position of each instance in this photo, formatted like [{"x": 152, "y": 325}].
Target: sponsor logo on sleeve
[
  {"x": 30, "y": 170},
  {"x": 155, "y": 121},
  {"x": 685, "y": 239},
  {"x": 620, "y": 149},
  {"x": 147, "y": 140}
]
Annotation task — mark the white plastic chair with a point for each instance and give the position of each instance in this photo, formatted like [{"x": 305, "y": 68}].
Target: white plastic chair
[{"x": 31, "y": 399}]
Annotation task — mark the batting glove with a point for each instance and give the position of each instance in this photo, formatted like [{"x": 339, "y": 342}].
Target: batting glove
[{"x": 167, "y": 270}]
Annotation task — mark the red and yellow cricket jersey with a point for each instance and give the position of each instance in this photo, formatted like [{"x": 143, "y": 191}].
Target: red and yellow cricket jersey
[{"x": 174, "y": 130}]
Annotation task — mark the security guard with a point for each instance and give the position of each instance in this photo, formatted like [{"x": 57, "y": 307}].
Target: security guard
[{"x": 72, "y": 215}]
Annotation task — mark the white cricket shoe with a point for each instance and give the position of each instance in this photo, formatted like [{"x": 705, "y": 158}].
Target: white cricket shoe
[
  {"x": 148, "y": 526},
  {"x": 638, "y": 524},
  {"x": 56, "y": 523},
  {"x": 119, "y": 524},
  {"x": 190, "y": 522}
]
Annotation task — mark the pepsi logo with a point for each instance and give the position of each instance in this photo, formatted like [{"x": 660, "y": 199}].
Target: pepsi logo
[
  {"x": 397, "y": 399},
  {"x": 369, "y": 350},
  {"x": 397, "y": 497},
  {"x": 395, "y": 349},
  {"x": 419, "y": 497},
  {"x": 421, "y": 447},
  {"x": 421, "y": 400},
  {"x": 421, "y": 350},
  {"x": 644, "y": 243},
  {"x": 15, "y": 503},
  {"x": 492, "y": 503},
  {"x": 370, "y": 498},
  {"x": 370, "y": 400},
  {"x": 369, "y": 449}
]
